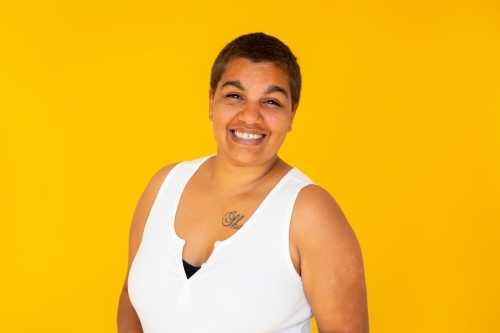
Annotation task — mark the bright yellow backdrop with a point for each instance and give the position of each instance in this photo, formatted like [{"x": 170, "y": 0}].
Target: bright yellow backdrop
[{"x": 399, "y": 120}]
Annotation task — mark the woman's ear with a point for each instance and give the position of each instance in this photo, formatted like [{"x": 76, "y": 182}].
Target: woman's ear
[
  {"x": 210, "y": 108},
  {"x": 292, "y": 116}
]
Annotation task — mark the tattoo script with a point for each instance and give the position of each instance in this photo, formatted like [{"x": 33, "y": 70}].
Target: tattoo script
[{"x": 231, "y": 220}]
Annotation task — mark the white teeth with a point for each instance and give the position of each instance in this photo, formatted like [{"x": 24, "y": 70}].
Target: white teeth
[{"x": 248, "y": 136}]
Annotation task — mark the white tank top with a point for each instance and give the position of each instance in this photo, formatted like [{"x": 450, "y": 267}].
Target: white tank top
[{"x": 248, "y": 284}]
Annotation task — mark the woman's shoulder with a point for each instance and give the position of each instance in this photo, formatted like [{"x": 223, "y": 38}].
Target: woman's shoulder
[
  {"x": 153, "y": 187},
  {"x": 317, "y": 214},
  {"x": 314, "y": 200},
  {"x": 159, "y": 177}
]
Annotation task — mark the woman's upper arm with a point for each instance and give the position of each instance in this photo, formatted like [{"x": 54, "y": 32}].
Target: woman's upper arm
[
  {"x": 331, "y": 263},
  {"x": 142, "y": 212}
]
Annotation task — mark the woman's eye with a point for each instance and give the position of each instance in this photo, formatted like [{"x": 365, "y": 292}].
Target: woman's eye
[{"x": 272, "y": 102}]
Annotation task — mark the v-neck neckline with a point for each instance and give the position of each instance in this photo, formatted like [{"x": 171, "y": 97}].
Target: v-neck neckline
[{"x": 219, "y": 243}]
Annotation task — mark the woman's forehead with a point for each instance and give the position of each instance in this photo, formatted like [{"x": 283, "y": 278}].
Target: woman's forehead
[{"x": 246, "y": 72}]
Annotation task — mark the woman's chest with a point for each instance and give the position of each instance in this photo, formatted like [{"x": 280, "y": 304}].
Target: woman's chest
[{"x": 204, "y": 217}]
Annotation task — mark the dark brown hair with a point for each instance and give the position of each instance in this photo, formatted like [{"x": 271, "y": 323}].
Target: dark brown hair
[{"x": 259, "y": 47}]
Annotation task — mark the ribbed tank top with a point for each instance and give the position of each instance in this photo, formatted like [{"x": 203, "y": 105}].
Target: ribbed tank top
[{"x": 248, "y": 284}]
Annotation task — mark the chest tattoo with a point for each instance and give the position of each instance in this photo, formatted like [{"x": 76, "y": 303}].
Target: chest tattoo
[{"x": 231, "y": 220}]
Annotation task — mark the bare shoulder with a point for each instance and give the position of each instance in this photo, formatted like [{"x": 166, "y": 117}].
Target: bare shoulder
[
  {"x": 143, "y": 209},
  {"x": 151, "y": 191},
  {"x": 316, "y": 209},
  {"x": 320, "y": 229},
  {"x": 330, "y": 262}
]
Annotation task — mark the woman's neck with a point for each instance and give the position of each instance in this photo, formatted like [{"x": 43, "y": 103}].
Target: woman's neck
[{"x": 230, "y": 177}]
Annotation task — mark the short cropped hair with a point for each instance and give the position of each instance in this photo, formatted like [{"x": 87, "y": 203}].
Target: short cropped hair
[{"x": 259, "y": 47}]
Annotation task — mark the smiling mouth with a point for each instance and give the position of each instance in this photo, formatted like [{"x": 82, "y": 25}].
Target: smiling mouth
[{"x": 247, "y": 136}]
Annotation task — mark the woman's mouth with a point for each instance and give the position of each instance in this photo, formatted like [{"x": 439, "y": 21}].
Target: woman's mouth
[{"x": 247, "y": 136}]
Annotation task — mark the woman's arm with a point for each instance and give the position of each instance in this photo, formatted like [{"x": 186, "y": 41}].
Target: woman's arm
[
  {"x": 330, "y": 263},
  {"x": 128, "y": 321}
]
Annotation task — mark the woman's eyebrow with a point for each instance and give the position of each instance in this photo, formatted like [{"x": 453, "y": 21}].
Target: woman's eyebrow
[
  {"x": 236, "y": 84},
  {"x": 275, "y": 88}
]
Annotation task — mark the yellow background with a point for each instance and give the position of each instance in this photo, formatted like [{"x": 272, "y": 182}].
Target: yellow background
[{"x": 399, "y": 120}]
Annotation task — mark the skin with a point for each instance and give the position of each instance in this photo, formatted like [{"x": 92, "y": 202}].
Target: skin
[{"x": 255, "y": 98}]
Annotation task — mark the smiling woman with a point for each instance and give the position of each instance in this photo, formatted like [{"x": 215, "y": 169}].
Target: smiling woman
[
  {"x": 251, "y": 110},
  {"x": 242, "y": 241}
]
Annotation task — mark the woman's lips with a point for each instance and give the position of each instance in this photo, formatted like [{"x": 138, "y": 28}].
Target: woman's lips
[{"x": 246, "y": 135}]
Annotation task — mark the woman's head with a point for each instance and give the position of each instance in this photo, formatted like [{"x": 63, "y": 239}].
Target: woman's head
[{"x": 259, "y": 47}]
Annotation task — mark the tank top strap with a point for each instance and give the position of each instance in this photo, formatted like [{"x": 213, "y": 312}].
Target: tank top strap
[
  {"x": 283, "y": 196},
  {"x": 168, "y": 197},
  {"x": 272, "y": 219}
]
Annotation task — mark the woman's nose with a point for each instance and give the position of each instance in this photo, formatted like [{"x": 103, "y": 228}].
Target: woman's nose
[{"x": 251, "y": 113}]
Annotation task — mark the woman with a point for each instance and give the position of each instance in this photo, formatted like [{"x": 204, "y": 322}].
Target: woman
[{"x": 241, "y": 241}]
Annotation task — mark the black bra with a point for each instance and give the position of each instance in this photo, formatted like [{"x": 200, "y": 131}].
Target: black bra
[{"x": 189, "y": 269}]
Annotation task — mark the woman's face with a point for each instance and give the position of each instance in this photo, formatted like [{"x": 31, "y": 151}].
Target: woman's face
[{"x": 251, "y": 111}]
